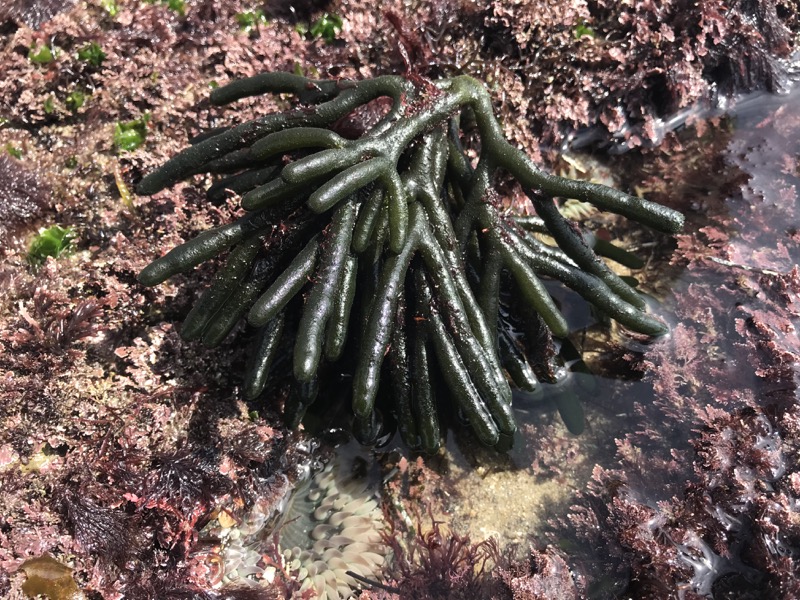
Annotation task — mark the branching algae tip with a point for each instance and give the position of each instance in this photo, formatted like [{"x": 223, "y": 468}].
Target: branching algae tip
[{"x": 388, "y": 255}]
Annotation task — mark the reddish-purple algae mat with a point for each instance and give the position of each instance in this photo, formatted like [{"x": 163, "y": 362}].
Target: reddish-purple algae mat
[{"x": 629, "y": 429}]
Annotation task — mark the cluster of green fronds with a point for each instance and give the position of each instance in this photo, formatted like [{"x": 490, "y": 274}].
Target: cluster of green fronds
[
  {"x": 388, "y": 256},
  {"x": 53, "y": 241}
]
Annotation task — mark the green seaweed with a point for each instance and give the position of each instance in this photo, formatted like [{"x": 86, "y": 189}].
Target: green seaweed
[
  {"x": 53, "y": 241},
  {"x": 42, "y": 55},
  {"x": 13, "y": 151},
  {"x": 251, "y": 20},
  {"x": 111, "y": 7},
  {"x": 396, "y": 246},
  {"x": 75, "y": 100},
  {"x": 327, "y": 27},
  {"x": 129, "y": 135},
  {"x": 92, "y": 54},
  {"x": 582, "y": 29}
]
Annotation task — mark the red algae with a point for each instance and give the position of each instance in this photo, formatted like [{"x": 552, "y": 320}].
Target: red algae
[
  {"x": 705, "y": 501},
  {"x": 119, "y": 441}
]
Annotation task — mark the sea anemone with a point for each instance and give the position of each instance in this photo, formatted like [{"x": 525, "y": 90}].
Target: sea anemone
[
  {"x": 328, "y": 524},
  {"x": 398, "y": 235}
]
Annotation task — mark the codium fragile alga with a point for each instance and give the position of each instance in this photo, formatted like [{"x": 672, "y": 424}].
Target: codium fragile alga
[{"x": 383, "y": 255}]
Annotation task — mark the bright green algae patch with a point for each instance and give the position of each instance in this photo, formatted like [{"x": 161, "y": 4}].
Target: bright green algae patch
[{"x": 53, "y": 241}]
